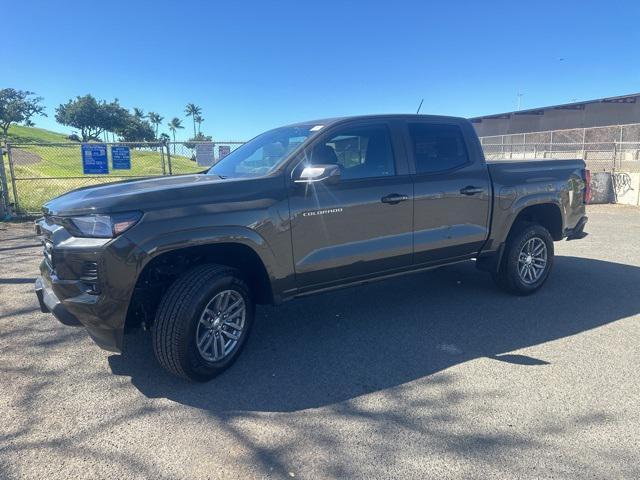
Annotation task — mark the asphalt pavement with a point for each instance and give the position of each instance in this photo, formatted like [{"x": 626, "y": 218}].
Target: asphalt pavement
[{"x": 433, "y": 375}]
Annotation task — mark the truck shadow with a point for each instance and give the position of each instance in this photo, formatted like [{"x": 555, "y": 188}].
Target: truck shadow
[{"x": 337, "y": 346}]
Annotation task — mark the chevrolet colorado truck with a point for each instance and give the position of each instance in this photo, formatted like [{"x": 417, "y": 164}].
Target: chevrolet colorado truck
[{"x": 299, "y": 209}]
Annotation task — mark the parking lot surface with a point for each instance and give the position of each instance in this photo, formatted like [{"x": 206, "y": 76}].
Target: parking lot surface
[{"x": 433, "y": 375}]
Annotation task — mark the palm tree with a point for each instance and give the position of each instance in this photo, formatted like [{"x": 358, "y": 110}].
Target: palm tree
[
  {"x": 174, "y": 125},
  {"x": 191, "y": 110},
  {"x": 155, "y": 119},
  {"x": 138, "y": 113},
  {"x": 198, "y": 119}
]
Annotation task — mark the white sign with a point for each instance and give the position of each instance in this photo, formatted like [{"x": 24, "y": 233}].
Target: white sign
[{"x": 204, "y": 154}]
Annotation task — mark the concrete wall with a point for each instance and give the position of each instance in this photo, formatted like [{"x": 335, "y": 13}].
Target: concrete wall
[
  {"x": 602, "y": 188},
  {"x": 617, "y": 187},
  {"x": 626, "y": 187}
]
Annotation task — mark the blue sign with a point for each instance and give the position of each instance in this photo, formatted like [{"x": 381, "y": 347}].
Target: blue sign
[
  {"x": 94, "y": 159},
  {"x": 120, "y": 158}
]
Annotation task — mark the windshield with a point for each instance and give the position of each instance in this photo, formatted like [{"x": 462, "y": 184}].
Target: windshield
[{"x": 264, "y": 153}]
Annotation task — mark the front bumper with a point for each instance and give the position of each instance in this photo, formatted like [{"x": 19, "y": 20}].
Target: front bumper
[
  {"x": 87, "y": 281},
  {"x": 78, "y": 311},
  {"x": 50, "y": 303}
]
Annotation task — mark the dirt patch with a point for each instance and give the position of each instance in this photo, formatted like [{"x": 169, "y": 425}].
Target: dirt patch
[{"x": 23, "y": 157}]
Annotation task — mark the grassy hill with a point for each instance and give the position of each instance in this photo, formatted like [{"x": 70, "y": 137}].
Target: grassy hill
[
  {"x": 43, "y": 172},
  {"x": 19, "y": 134}
]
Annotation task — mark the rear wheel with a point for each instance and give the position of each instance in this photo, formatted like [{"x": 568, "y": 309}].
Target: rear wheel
[
  {"x": 203, "y": 322},
  {"x": 527, "y": 259}
]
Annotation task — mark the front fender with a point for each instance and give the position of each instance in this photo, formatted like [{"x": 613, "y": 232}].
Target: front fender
[{"x": 153, "y": 247}]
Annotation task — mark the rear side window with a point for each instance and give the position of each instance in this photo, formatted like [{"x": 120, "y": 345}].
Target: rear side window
[{"x": 437, "y": 148}]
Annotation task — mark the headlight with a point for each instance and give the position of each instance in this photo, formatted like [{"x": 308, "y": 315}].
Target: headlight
[{"x": 101, "y": 226}]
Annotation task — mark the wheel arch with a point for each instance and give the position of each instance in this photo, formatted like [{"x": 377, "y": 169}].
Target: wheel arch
[
  {"x": 546, "y": 214},
  {"x": 163, "y": 265}
]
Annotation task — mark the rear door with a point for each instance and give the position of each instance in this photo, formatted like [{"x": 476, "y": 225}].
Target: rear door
[
  {"x": 452, "y": 190},
  {"x": 362, "y": 225}
]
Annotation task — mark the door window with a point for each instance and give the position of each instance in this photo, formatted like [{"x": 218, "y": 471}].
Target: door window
[
  {"x": 361, "y": 152},
  {"x": 437, "y": 148}
]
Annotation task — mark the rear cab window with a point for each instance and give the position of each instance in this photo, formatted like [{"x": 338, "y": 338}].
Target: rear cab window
[{"x": 437, "y": 147}]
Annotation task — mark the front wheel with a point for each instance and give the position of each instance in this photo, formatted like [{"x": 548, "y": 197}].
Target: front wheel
[
  {"x": 527, "y": 259},
  {"x": 203, "y": 322}
]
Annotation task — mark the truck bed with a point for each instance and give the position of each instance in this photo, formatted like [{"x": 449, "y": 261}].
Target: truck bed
[{"x": 517, "y": 183}]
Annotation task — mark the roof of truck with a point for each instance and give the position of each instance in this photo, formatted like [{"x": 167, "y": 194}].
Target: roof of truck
[{"x": 402, "y": 116}]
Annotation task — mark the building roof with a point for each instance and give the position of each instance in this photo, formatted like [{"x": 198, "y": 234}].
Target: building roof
[
  {"x": 631, "y": 98},
  {"x": 600, "y": 112}
]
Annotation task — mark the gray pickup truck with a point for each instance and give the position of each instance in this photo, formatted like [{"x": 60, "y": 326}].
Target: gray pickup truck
[{"x": 300, "y": 209}]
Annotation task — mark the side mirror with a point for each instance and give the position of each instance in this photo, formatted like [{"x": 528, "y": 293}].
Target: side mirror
[{"x": 319, "y": 173}]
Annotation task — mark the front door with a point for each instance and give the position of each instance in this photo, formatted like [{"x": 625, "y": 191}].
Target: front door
[{"x": 362, "y": 224}]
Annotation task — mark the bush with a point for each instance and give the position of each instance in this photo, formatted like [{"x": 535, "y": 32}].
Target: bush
[{"x": 200, "y": 137}]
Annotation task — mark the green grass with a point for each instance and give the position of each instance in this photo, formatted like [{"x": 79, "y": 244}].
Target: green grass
[
  {"x": 18, "y": 133},
  {"x": 58, "y": 168}
]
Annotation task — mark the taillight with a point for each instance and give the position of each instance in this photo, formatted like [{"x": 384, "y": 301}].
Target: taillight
[{"x": 587, "y": 187}]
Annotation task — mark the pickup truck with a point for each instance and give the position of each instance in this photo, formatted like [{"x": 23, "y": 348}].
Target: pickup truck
[{"x": 300, "y": 209}]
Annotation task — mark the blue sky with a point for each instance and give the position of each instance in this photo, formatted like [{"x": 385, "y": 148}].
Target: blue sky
[{"x": 256, "y": 65}]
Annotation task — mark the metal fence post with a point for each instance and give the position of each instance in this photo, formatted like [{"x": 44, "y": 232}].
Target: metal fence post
[
  {"x": 4, "y": 201},
  {"x": 169, "y": 157},
  {"x": 164, "y": 171},
  {"x": 16, "y": 203},
  {"x": 621, "y": 146}
]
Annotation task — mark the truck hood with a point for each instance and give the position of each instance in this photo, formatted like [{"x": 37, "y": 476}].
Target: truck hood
[{"x": 157, "y": 192}]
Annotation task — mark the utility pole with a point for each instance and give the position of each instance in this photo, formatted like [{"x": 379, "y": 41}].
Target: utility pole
[{"x": 519, "y": 95}]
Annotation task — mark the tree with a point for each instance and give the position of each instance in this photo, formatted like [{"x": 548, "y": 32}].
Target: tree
[
  {"x": 18, "y": 106},
  {"x": 136, "y": 129},
  {"x": 191, "y": 110},
  {"x": 116, "y": 117},
  {"x": 164, "y": 137},
  {"x": 92, "y": 117},
  {"x": 155, "y": 119},
  {"x": 198, "y": 119},
  {"x": 174, "y": 125},
  {"x": 138, "y": 113},
  {"x": 198, "y": 138}
]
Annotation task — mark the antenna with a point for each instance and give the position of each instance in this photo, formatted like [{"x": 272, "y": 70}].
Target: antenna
[{"x": 419, "y": 106}]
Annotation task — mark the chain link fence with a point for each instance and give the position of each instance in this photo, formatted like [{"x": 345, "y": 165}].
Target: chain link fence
[
  {"x": 34, "y": 173},
  {"x": 212, "y": 152},
  {"x": 31, "y": 174},
  {"x": 605, "y": 149}
]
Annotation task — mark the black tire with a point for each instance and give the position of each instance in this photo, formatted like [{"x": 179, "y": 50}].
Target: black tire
[
  {"x": 508, "y": 276},
  {"x": 176, "y": 324}
]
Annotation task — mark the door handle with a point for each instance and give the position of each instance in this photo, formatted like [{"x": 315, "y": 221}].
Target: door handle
[
  {"x": 471, "y": 190},
  {"x": 394, "y": 198}
]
